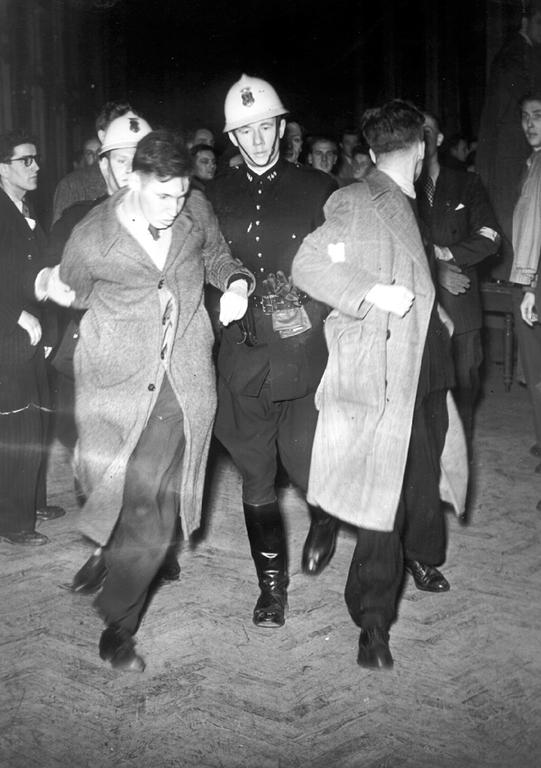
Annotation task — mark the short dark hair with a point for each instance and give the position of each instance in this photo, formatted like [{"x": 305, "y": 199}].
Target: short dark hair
[
  {"x": 396, "y": 125},
  {"x": 314, "y": 139},
  {"x": 350, "y": 130},
  {"x": 163, "y": 153},
  {"x": 532, "y": 96},
  {"x": 11, "y": 139},
  {"x": 201, "y": 148},
  {"x": 110, "y": 111}
]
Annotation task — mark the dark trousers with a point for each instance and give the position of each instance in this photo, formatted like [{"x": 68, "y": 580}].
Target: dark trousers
[
  {"x": 419, "y": 533},
  {"x": 147, "y": 521},
  {"x": 23, "y": 391},
  {"x": 468, "y": 357},
  {"x": 529, "y": 345},
  {"x": 255, "y": 429}
]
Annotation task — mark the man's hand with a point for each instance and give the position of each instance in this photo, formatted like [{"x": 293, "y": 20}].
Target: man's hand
[
  {"x": 234, "y": 302},
  {"x": 48, "y": 285},
  {"x": 391, "y": 298},
  {"x": 31, "y": 325},
  {"x": 527, "y": 309},
  {"x": 451, "y": 277}
]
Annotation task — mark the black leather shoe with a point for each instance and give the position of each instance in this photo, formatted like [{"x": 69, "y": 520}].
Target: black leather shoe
[
  {"x": 91, "y": 576},
  {"x": 374, "y": 650},
  {"x": 320, "y": 543},
  {"x": 50, "y": 512},
  {"x": 270, "y": 609},
  {"x": 118, "y": 647},
  {"x": 169, "y": 570},
  {"x": 426, "y": 577},
  {"x": 26, "y": 538}
]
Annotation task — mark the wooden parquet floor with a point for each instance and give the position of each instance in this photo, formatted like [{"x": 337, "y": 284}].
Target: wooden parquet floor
[{"x": 219, "y": 693}]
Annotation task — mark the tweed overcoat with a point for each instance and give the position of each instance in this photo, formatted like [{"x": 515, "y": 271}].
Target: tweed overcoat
[
  {"x": 118, "y": 369},
  {"x": 367, "y": 394}
]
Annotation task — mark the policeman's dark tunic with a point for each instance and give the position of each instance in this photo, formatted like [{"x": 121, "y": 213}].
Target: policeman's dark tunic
[{"x": 265, "y": 393}]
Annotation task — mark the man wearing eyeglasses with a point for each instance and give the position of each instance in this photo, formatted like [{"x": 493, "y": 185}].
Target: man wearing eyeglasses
[{"x": 25, "y": 281}]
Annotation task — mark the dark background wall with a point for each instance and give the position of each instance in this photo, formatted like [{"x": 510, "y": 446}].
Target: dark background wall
[{"x": 175, "y": 59}]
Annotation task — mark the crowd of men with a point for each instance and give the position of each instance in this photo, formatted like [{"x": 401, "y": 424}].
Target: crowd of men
[{"x": 346, "y": 314}]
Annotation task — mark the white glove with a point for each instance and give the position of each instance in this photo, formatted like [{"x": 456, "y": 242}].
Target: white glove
[
  {"x": 391, "y": 298},
  {"x": 31, "y": 325},
  {"x": 234, "y": 302},
  {"x": 48, "y": 285}
]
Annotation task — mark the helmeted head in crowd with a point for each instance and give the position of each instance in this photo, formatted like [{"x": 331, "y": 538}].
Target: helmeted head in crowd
[
  {"x": 160, "y": 179},
  {"x": 120, "y": 140},
  {"x": 254, "y": 120}
]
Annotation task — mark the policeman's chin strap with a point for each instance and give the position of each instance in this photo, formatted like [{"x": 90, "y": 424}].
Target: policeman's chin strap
[{"x": 274, "y": 145}]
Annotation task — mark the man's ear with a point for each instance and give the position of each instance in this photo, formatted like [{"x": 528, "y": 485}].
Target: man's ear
[
  {"x": 233, "y": 138},
  {"x": 439, "y": 140},
  {"x": 372, "y": 156},
  {"x": 282, "y": 128}
]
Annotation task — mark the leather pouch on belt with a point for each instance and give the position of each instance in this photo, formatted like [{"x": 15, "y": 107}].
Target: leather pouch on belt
[{"x": 291, "y": 321}]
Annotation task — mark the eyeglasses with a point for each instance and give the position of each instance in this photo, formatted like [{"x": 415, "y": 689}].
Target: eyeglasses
[{"x": 26, "y": 159}]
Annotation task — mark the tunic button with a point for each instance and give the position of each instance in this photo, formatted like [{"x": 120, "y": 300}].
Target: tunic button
[
  {"x": 257, "y": 238},
  {"x": 151, "y": 387},
  {"x": 29, "y": 257},
  {"x": 388, "y": 334},
  {"x": 160, "y": 284}
]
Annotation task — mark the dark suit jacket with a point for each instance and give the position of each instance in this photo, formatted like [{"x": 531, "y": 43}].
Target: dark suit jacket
[
  {"x": 22, "y": 256},
  {"x": 459, "y": 213}
]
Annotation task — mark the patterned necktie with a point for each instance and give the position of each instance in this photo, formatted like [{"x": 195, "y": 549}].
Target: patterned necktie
[
  {"x": 154, "y": 231},
  {"x": 429, "y": 189},
  {"x": 167, "y": 323},
  {"x": 26, "y": 209}
]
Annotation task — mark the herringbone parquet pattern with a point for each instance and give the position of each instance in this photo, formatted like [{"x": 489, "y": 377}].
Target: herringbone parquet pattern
[{"x": 219, "y": 693}]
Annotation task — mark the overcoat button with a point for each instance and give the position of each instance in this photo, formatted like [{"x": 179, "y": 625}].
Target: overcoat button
[
  {"x": 29, "y": 257},
  {"x": 388, "y": 333},
  {"x": 160, "y": 284},
  {"x": 151, "y": 387}
]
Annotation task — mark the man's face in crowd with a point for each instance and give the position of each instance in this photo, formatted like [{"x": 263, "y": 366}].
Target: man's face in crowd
[
  {"x": 323, "y": 155},
  {"x": 294, "y": 140},
  {"x": 115, "y": 166},
  {"x": 361, "y": 164},
  {"x": 531, "y": 123},
  {"x": 160, "y": 201},
  {"x": 16, "y": 175},
  {"x": 205, "y": 165},
  {"x": 259, "y": 142},
  {"x": 348, "y": 142},
  {"x": 90, "y": 152},
  {"x": 533, "y": 28}
]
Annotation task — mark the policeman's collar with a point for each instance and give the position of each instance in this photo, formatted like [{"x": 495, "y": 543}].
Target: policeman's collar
[{"x": 270, "y": 174}]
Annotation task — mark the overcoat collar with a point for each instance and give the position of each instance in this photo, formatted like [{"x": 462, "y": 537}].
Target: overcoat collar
[
  {"x": 113, "y": 234},
  {"x": 396, "y": 213}
]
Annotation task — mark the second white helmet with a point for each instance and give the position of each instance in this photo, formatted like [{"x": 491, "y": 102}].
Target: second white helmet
[
  {"x": 250, "y": 100},
  {"x": 124, "y": 132}
]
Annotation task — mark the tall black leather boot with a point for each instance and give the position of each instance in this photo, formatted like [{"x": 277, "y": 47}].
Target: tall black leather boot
[
  {"x": 320, "y": 543},
  {"x": 269, "y": 550}
]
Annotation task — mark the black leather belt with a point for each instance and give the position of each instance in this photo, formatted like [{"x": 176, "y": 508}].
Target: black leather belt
[{"x": 272, "y": 302}]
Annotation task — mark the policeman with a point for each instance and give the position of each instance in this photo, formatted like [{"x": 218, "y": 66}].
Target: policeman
[{"x": 270, "y": 363}]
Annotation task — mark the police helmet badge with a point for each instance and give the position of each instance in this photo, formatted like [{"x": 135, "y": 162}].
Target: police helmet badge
[
  {"x": 134, "y": 125},
  {"x": 247, "y": 97}
]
